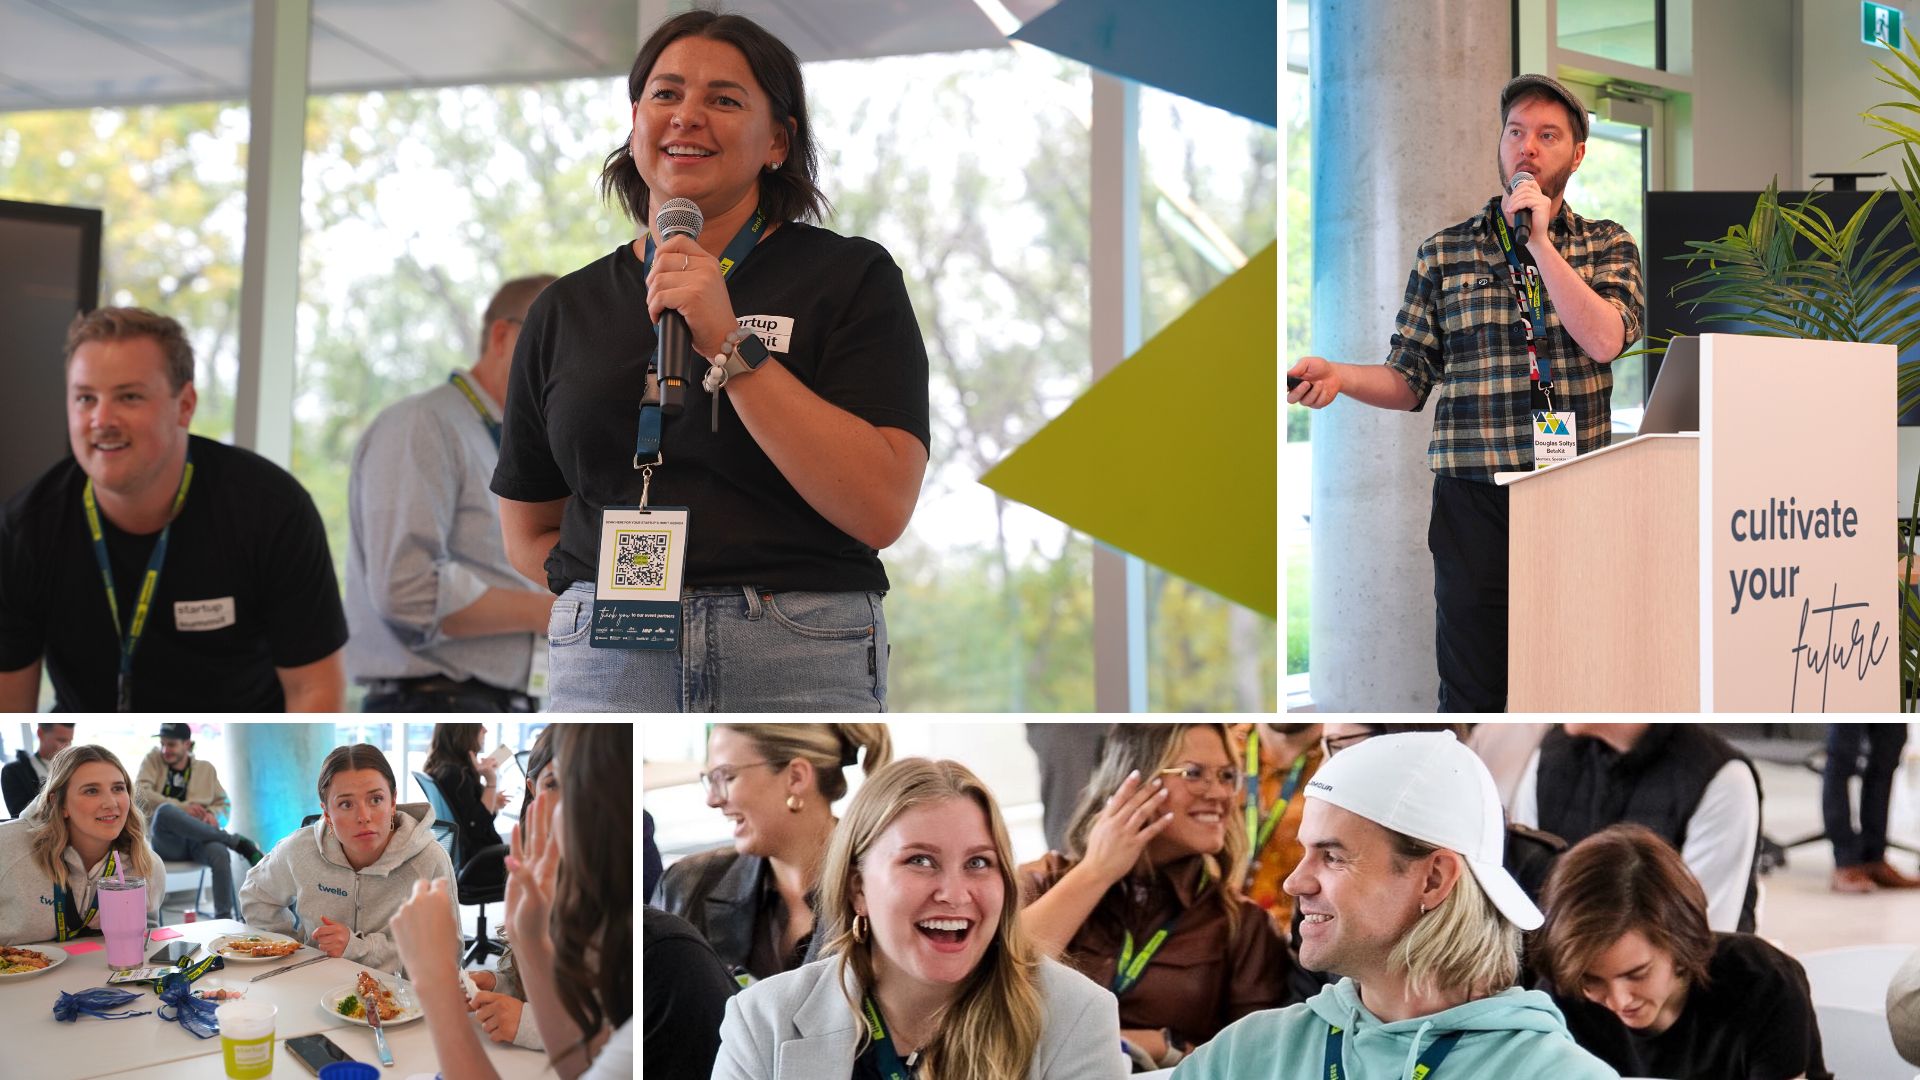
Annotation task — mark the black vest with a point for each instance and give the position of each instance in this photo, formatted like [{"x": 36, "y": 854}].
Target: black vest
[{"x": 1585, "y": 786}]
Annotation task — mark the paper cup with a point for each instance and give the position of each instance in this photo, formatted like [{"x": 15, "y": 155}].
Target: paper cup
[{"x": 246, "y": 1038}]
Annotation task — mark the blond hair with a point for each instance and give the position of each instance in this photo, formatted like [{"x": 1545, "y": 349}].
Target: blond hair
[
  {"x": 829, "y": 748},
  {"x": 1463, "y": 944},
  {"x": 1148, "y": 748},
  {"x": 49, "y": 828},
  {"x": 992, "y": 1027}
]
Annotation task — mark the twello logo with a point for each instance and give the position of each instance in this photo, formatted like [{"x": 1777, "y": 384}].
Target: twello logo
[{"x": 330, "y": 889}]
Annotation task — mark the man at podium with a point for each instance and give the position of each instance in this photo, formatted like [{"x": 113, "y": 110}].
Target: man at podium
[{"x": 1515, "y": 315}]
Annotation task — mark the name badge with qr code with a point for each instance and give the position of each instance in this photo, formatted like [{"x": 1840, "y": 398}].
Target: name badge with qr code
[
  {"x": 636, "y": 596},
  {"x": 1555, "y": 438}
]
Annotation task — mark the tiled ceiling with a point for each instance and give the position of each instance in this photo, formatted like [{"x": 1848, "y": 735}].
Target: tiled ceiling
[{"x": 82, "y": 53}]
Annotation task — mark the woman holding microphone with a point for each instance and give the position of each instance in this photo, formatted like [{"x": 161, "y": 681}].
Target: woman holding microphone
[{"x": 804, "y": 437}]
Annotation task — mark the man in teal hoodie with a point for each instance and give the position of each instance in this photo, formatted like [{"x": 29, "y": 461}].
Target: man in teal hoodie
[{"x": 1405, "y": 897}]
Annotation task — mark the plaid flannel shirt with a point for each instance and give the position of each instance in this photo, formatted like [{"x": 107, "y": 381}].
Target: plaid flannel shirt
[{"x": 1459, "y": 328}]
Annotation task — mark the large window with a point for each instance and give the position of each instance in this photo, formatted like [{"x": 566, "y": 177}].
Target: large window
[
  {"x": 1207, "y": 185},
  {"x": 1296, "y": 453}
]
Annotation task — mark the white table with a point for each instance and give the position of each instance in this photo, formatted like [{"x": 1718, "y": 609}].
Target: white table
[{"x": 147, "y": 1047}]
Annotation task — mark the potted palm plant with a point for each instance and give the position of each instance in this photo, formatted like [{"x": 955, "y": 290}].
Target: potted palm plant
[{"x": 1794, "y": 271}]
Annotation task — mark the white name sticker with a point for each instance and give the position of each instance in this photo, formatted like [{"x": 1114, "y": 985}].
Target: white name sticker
[
  {"x": 189, "y": 615},
  {"x": 774, "y": 331}
]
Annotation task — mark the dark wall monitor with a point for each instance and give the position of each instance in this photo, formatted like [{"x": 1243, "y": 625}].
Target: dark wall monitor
[{"x": 49, "y": 272}]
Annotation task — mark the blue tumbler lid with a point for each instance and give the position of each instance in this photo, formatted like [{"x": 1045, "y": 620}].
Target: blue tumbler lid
[{"x": 349, "y": 1070}]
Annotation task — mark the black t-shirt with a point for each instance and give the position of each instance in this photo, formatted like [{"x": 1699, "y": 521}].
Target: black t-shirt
[
  {"x": 833, "y": 310},
  {"x": 1753, "y": 1021},
  {"x": 248, "y": 546},
  {"x": 683, "y": 995}
]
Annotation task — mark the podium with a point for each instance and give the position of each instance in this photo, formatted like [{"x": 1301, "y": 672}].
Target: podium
[{"x": 1747, "y": 566}]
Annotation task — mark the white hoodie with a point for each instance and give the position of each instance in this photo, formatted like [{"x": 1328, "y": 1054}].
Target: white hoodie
[
  {"x": 307, "y": 876},
  {"x": 26, "y": 904}
]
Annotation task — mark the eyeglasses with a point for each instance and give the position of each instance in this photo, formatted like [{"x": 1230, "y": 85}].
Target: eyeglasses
[
  {"x": 1199, "y": 777},
  {"x": 715, "y": 781},
  {"x": 1331, "y": 745}
]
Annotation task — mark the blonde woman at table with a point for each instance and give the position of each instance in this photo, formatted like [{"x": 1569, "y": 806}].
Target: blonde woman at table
[
  {"x": 343, "y": 877},
  {"x": 569, "y": 903},
  {"x": 80, "y": 828},
  {"x": 929, "y": 972}
]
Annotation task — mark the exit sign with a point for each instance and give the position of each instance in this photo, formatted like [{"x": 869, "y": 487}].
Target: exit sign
[{"x": 1879, "y": 25}]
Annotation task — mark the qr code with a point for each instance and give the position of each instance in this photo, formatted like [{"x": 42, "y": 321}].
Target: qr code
[{"x": 641, "y": 561}]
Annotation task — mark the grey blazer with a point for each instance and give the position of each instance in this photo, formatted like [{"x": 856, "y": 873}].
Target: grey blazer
[{"x": 799, "y": 1026}]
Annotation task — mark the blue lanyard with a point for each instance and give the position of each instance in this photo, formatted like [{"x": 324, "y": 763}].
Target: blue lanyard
[
  {"x": 891, "y": 1067},
  {"x": 60, "y": 929},
  {"x": 1530, "y": 296},
  {"x": 493, "y": 426},
  {"x": 1423, "y": 1069},
  {"x": 647, "y": 443},
  {"x": 130, "y": 636},
  {"x": 1259, "y": 832}
]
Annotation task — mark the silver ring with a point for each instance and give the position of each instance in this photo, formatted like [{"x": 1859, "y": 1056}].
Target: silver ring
[{"x": 685, "y": 262}]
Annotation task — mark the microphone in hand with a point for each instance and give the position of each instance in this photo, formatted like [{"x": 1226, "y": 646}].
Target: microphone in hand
[
  {"x": 673, "y": 359},
  {"x": 1522, "y": 221}
]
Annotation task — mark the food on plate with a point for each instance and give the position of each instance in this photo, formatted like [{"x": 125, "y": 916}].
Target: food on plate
[
  {"x": 369, "y": 989},
  {"x": 14, "y": 961},
  {"x": 254, "y": 947}
]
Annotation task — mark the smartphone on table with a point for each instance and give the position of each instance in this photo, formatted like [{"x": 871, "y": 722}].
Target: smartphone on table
[{"x": 314, "y": 1051}]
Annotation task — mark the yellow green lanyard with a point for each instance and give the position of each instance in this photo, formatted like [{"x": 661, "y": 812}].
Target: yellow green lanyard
[
  {"x": 1133, "y": 964},
  {"x": 493, "y": 426},
  {"x": 888, "y": 1058},
  {"x": 179, "y": 791},
  {"x": 1259, "y": 832},
  {"x": 60, "y": 930},
  {"x": 130, "y": 636}
]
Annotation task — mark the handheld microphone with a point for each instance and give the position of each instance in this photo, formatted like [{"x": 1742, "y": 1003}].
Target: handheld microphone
[
  {"x": 673, "y": 349},
  {"x": 1523, "y": 221}
]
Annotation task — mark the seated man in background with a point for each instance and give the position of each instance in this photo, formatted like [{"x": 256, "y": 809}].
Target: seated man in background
[
  {"x": 24, "y": 776},
  {"x": 441, "y": 621},
  {"x": 1685, "y": 782},
  {"x": 1405, "y": 898},
  {"x": 184, "y": 801},
  {"x": 219, "y": 592}
]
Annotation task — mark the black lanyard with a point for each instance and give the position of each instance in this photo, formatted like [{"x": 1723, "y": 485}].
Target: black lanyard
[
  {"x": 179, "y": 791},
  {"x": 891, "y": 1067},
  {"x": 1259, "y": 832},
  {"x": 493, "y": 426},
  {"x": 1423, "y": 1069},
  {"x": 130, "y": 636},
  {"x": 60, "y": 899},
  {"x": 647, "y": 443},
  {"x": 1530, "y": 295}
]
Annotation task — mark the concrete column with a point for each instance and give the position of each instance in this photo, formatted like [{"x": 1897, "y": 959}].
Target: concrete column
[
  {"x": 272, "y": 772},
  {"x": 1405, "y": 129}
]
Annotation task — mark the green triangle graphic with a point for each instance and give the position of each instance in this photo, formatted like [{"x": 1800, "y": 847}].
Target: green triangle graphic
[{"x": 1172, "y": 456}]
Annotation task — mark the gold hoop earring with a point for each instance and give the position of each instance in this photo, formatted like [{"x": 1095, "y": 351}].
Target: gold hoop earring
[
  {"x": 860, "y": 929},
  {"x": 795, "y": 803}
]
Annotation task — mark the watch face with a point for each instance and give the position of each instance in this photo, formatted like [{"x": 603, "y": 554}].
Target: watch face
[{"x": 751, "y": 351}]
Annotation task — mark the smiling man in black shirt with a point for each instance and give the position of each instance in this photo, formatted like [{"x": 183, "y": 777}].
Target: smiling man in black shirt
[{"x": 156, "y": 569}]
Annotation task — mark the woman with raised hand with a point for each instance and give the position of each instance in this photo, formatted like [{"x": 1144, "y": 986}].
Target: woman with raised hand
[
  {"x": 569, "y": 904},
  {"x": 1146, "y": 901},
  {"x": 342, "y": 878},
  {"x": 777, "y": 783},
  {"x": 927, "y": 971},
  {"x": 1649, "y": 988},
  {"x": 81, "y": 827}
]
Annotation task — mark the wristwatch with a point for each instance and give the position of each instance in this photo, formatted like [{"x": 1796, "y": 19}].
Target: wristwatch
[{"x": 742, "y": 355}]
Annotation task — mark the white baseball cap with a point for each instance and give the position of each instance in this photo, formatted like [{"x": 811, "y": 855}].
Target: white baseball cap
[{"x": 1430, "y": 787}]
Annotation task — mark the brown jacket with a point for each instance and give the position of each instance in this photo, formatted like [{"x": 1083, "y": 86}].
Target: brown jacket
[{"x": 1204, "y": 975}]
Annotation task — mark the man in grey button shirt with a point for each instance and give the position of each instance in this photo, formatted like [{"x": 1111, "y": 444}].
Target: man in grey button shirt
[{"x": 440, "y": 621}]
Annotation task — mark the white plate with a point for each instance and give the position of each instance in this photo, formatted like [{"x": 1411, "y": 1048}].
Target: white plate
[
  {"x": 402, "y": 995},
  {"x": 55, "y": 957},
  {"x": 221, "y": 942}
]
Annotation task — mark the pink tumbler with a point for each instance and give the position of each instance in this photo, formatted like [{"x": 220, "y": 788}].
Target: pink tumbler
[{"x": 123, "y": 919}]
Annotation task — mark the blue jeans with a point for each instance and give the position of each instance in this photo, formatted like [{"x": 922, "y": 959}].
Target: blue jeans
[
  {"x": 177, "y": 834},
  {"x": 742, "y": 649}
]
